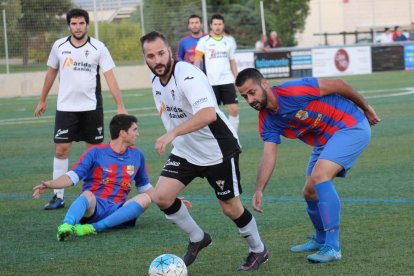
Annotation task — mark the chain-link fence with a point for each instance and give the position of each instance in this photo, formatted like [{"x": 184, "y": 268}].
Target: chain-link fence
[{"x": 29, "y": 28}]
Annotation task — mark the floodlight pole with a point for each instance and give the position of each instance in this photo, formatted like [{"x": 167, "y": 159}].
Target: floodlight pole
[
  {"x": 204, "y": 7},
  {"x": 141, "y": 11},
  {"x": 6, "y": 44},
  {"x": 263, "y": 18},
  {"x": 95, "y": 15}
]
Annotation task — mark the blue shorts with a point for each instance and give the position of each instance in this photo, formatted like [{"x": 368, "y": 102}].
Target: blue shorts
[
  {"x": 105, "y": 208},
  {"x": 343, "y": 148}
]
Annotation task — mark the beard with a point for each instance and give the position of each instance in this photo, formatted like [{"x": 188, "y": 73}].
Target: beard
[
  {"x": 79, "y": 37},
  {"x": 167, "y": 68},
  {"x": 260, "y": 105}
]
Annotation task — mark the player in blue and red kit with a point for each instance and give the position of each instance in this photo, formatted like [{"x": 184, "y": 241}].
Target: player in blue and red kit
[
  {"x": 325, "y": 114},
  {"x": 107, "y": 172},
  {"x": 187, "y": 45}
]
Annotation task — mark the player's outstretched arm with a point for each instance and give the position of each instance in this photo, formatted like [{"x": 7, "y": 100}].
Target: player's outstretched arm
[
  {"x": 266, "y": 166},
  {"x": 115, "y": 91},
  {"x": 61, "y": 182},
  {"x": 49, "y": 80}
]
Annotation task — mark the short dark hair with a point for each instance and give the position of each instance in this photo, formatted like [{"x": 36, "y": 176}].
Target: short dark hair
[
  {"x": 152, "y": 36},
  {"x": 216, "y": 16},
  {"x": 77, "y": 13},
  {"x": 249, "y": 73},
  {"x": 193, "y": 16},
  {"x": 121, "y": 122}
]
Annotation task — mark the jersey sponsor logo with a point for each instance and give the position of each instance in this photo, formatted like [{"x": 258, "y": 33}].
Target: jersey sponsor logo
[
  {"x": 125, "y": 185},
  {"x": 188, "y": 78},
  {"x": 199, "y": 102},
  {"x": 217, "y": 54},
  {"x": 302, "y": 115},
  {"x": 158, "y": 93},
  {"x": 68, "y": 63},
  {"x": 60, "y": 132},
  {"x": 82, "y": 66},
  {"x": 130, "y": 169},
  {"x": 178, "y": 112}
]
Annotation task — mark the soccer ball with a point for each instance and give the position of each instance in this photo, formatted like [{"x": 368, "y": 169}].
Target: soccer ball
[{"x": 167, "y": 265}]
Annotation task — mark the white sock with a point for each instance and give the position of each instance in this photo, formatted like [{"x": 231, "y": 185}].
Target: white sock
[
  {"x": 234, "y": 120},
  {"x": 185, "y": 222},
  {"x": 60, "y": 167},
  {"x": 252, "y": 237}
]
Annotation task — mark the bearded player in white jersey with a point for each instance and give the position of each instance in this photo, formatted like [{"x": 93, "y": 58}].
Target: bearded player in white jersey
[
  {"x": 204, "y": 145},
  {"x": 78, "y": 59}
]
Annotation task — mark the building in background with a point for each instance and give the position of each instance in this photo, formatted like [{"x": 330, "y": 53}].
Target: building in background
[{"x": 335, "y": 16}]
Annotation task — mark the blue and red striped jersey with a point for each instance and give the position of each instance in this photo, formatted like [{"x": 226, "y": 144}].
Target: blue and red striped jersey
[
  {"x": 109, "y": 174},
  {"x": 304, "y": 114},
  {"x": 186, "y": 49}
]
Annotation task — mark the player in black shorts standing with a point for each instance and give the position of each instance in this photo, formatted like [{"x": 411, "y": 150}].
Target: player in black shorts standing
[
  {"x": 204, "y": 145},
  {"x": 220, "y": 65},
  {"x": 79, "y": 113}
]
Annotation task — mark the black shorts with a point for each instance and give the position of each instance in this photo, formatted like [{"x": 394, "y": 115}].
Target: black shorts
[
  {"x": 224, "y": 178},
  {"x": 225, "y": 93},
  {"x": 79, "y": 126}
]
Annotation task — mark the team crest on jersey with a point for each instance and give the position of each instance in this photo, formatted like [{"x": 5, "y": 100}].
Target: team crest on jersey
[
  {"x": 86, "y": 53},
  {"x": 302, "y": 115},
  {"x": 173, "y": 94},
  {"x": 130, "y": 169},
  {"x": 220, "y": 184}
]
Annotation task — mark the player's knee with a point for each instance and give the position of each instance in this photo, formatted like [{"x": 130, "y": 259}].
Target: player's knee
[
  {"x": 88, "y": 195},
  {"x": 162, "y": 201},
  {"x": 62, "y": 152},
  {"x": 144, "y": 200}
]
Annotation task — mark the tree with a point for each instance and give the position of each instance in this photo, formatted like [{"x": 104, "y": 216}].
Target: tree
[
  {"x": 121, "y": 39},
  {"x": 13, "y": 11},
  {"x": 287, "y": 17},
  {"x": 39, "y": 16}
]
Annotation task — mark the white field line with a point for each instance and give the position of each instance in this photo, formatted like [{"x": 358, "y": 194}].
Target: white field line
[{"x": 45, "y": 119}]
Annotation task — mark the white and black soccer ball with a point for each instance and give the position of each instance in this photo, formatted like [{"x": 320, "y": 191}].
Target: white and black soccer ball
[{"x": 167, "y": 265}]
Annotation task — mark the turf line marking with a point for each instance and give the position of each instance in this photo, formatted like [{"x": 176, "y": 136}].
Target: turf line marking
[{"x": 195, "y": 198}]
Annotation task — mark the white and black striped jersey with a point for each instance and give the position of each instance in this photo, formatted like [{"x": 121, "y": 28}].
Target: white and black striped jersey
[
  {"x": 187, "y": 92},
  {"x": 80, "y": 86}
]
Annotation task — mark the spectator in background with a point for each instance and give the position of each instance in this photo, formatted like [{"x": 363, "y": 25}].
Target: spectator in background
[
  {"x": 398, "y": 34},
  {"x": 411, "y": 32},
  {"x": 186, "y": 45},
  {"x": 274, "y": 41},
  {"x": 385, "y": 37},
  {"x": 228, "y": 35},
  {"x": 262, "y": 44}
]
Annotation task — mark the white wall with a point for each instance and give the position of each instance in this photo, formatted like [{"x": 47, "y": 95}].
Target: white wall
[{"x": 334, "y": 16}]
